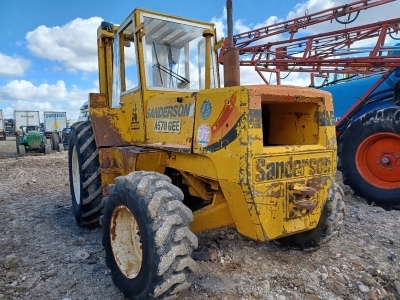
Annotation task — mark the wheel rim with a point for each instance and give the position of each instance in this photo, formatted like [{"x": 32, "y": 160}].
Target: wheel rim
[
  {"x": 378, "y": 160},
  {"x": 76, "y": 176},
  {"x": 126, "y": 242}
]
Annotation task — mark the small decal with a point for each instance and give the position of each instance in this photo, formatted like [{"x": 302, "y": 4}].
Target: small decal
[
  {"x": 135, "y": 123},
  {"x": 203, "y": 135},
  {"x": 54, "y": 115},
  {"x": 205, "y": 109}
]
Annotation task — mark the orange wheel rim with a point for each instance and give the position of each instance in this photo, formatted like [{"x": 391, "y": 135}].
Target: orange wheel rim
[{"x": 378, "y": 160}]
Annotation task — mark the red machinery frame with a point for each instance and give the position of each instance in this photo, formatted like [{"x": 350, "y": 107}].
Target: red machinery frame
[
  {"x": 323, "y": 54},
  {"x": 244, "y": 39},
  {"x": 327, "y": 53}
]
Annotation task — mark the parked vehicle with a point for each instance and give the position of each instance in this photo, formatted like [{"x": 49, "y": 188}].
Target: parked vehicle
[
  {"x": 9, "y": 127},
  {"x": 27, "y": 134},
  {"x": 3, "y": 135},
  {"x": 368, "y": 129},
  {"x": 54, "y": 122},
  {"x": 84, "y": 112}
]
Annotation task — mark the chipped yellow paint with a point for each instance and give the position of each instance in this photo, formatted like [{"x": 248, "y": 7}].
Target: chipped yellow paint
[
  {"x": 212, "y": 216},
  {"x": 243, "y": 147}
]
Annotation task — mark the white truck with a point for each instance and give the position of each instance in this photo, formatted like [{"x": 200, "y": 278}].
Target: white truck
[
  {"x": 26, "y": 118},
  {"x": 2, "y": 127},
  {"x": 54, "y": 123},
  {"x": 84, "y": 112}
]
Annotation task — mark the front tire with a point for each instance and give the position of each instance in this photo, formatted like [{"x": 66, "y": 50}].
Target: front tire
[
  {"x": 21, "y": 150},
  {"x": 369, "y": 157},
  {"x": 17, "y": 143},
  {"x": 146, "y": 236},
  {"x": 329, "y": 224},
  {"x": 47, "y": 149},
  {"x": 84, "y": 175}
]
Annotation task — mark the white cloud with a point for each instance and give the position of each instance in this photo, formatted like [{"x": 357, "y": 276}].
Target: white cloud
[
  {"x": 371, "y": 15},
  {"x": 312, "y": 6},
  {"x": 13, "y": 65},
  {"x": 240, "y": 27},
  {"x": 26, "y": 90},
  {"x": 23, "y": 95},
  {"x": 220, "y": 24},
  {"x": 73, "y": 44}
]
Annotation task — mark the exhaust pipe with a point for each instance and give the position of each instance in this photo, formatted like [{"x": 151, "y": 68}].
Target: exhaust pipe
[{"x": 231, "y": 55}]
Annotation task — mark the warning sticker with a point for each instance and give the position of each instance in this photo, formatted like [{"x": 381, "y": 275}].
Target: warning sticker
[{"x": 203, "y": 135}]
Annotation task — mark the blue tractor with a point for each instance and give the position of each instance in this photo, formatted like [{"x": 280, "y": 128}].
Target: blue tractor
[{"x": 367, "y": 111}]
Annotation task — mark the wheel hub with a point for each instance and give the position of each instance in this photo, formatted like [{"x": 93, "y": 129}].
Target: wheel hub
[
  {"x": 126, "y": 242},
  {"x": 388, "y": 160},
  {"x": 378, "y": 160},
  {"x": 76, "y": 176}
]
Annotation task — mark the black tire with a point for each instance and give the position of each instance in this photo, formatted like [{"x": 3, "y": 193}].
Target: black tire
[
  {"x": 383, "y": 121},
  {"x": 17, "y": 143},
  {"x": 166, "y": 240},
  {"x": 329, "y": 224},
  {"x": 21, "y": 150},
  {"x": 54, "y": 140},
  {"x": 47, "y": 149},
  {"x": 83, "y": 165}
]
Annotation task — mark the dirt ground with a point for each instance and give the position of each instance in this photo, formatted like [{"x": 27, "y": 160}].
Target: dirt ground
[{"x": 45, "y": 255}]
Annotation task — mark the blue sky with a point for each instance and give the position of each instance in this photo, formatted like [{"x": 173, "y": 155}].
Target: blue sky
[{"x": 48, "y": 48}]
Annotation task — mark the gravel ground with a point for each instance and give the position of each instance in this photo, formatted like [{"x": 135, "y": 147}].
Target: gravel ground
[{"x": 44, "y": 255}]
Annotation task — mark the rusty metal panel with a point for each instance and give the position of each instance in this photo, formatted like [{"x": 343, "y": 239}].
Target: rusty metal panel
[
  {"x": 117, "y": 161},
  {"x": 97, "y": 100}
]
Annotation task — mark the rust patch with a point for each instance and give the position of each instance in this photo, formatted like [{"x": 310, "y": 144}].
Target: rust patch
[
  {"x": 274, "y": 194},
  {"x": 105, "y": 132},
  {"x": 318, "y": 182},
  {"x": 326, "y": 118},
  {"x": 255, "y": 118},
  {"x": 105, "y": 161},
  {"x": 97, "y": 100},
  {"x": 113, "y": 224}
]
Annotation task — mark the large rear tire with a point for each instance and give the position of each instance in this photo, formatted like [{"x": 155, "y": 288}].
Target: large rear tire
[
  {"x": 146, "y": 236},
  {"x": 84, "y": 175},
  {"x": 369, "y": 157},
  {"x": 54, "y": 140},
  {"x": 329, "y": 224}
]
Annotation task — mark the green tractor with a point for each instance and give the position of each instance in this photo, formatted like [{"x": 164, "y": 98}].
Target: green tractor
[{"x": 29, "y": 138}]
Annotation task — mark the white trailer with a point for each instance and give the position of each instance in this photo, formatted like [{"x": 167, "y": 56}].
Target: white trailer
[
  {"x": 26, "y": 118},
  {"x": 54, "y": 123},
  {"x": 2, "y": 127}
]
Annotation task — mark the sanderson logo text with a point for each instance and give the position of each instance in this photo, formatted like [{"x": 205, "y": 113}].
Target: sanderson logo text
[{"x": 292, "y": 168}]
